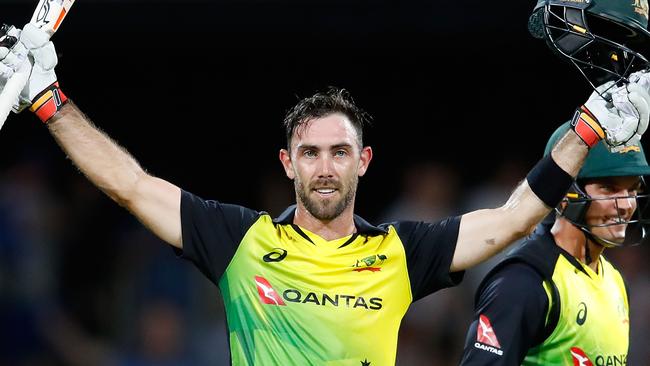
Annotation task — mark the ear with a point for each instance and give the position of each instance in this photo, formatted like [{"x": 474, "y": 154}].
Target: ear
[
  {"x": 285, "y": 159},
  {"x": 364, "y": 160}
]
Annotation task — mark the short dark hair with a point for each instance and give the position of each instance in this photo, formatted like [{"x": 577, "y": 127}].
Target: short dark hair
[{"x": 322, "y": 104}]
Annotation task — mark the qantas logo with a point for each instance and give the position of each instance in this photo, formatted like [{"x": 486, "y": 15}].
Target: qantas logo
[
  {"x": 486, "y": 339},
  {"x": 270, "y": 297},
  {"x": 267, "y": 293},
  {"x": 580, "y": 358}
]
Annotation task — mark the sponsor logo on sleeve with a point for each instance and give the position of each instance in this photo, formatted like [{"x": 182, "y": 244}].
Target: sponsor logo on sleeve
[{"x": 486, "y": 339}]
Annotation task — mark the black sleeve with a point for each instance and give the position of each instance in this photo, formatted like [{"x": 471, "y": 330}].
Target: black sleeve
[
  {"x": 212, "y": 232},
  {"x": 429, "y": 251},
  {"x": 509, "y": 317}
]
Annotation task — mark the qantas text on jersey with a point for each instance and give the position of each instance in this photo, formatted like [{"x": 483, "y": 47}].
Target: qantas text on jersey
[{"x": 269, "y": 296}]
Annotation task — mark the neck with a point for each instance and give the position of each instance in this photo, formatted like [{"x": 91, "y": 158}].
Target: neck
[
  {"x": 570, "y": 238},
  {"x": 338, "y": 227}
]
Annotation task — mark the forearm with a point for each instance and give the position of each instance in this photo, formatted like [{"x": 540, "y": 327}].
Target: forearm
[
  {"x": 484, "y": 233},
  {"x": 525, "y": 208},
  {"x": 570, "y": 153},
  {"x": 102, "y": 160}
]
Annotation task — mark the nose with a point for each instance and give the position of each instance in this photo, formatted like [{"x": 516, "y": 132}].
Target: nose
[
  {"x": 626, "y": 204},
  {"x": 326, "y": 166}
]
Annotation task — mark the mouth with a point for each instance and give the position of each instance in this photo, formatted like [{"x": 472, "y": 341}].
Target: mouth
[
  {"x": 617, "y": 220},
  {"x": 325, "y": 191}
]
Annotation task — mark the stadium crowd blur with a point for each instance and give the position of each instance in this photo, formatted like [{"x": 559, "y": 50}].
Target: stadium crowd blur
[{"x": 83, "y": 283}]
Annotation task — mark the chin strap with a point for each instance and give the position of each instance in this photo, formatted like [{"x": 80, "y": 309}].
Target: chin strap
[{"x": 587, "y": 251}]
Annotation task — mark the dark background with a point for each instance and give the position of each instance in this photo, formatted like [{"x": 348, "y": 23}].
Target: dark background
[{"x": 196, "y": 91}]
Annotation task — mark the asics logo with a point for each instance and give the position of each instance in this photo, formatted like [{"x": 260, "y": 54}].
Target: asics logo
[
  {"x": 276, "y": 255},
  {"x": 582, "y": 314}
]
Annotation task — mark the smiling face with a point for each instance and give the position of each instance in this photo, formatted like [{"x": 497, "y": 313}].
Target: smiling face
[
  {"x": 325, "y": 162},
  {"x": 613, "y": 206}
]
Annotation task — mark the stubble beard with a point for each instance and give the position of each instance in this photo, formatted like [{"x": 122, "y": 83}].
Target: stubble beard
[{"x": 327, "y": 209}]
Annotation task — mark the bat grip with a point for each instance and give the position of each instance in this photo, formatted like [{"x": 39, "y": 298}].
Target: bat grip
[{"x": 11, "y": 91}]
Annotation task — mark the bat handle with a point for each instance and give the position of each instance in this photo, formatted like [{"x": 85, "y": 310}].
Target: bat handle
[{"x": 11, "y": 91}]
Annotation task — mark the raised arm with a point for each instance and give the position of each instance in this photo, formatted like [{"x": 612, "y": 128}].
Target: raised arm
[
  {"x": 483, "y": 233},
  {"x": 620, "y": 122},
  {"x": 155, "y": 202}
]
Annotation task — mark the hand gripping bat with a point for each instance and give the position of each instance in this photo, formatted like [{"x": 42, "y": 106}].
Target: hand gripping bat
[{"x": 48, "y": 16}]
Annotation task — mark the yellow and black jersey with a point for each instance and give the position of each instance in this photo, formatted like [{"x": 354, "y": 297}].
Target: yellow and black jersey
[
  {"x": 541, "y": 306},
  {"x": 294, "y": 298}
]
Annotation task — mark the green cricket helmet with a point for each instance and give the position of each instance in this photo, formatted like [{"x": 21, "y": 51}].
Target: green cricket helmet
[
  {"x": 601, "y": 163},
  {"x": 606, "y": 40}
]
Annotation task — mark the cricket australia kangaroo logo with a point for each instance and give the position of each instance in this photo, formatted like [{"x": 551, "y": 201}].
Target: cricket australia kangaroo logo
[
  {"x": 641, "y": 7},
  {"x": 371, "y": 263}
]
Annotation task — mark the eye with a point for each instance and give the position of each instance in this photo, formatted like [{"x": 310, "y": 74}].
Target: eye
[
  {"x": 635, "y": 191},
  {"x": 309, "y": 154},
  {"x": 607, "y": 188},
  {"x": 340, "y": 153}
]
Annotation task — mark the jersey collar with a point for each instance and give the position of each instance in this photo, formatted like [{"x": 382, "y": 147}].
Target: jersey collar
[
  {"x": 548, "y": 238},
  {"x": 363, "y": 227}
]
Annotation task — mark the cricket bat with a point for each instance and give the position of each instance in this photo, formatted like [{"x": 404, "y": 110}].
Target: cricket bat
[{"x": 48, "y": 16}]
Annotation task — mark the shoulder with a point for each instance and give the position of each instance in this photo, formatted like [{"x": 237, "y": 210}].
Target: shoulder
[
  {"x": 417, "y": 229},
  {"x": 192, "y": 202},
  {"x": 524, "y": 269},
  {"x": 539, "y": 252},
  {"x": 513, "y": 278}
]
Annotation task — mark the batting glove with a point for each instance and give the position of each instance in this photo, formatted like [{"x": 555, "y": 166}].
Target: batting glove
[
  {"x": 642, "y": 78},
  {"x": 620, "y": 118},
  {"x": 42, "y": 92},
  {"x": 13, "y": 54}
]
